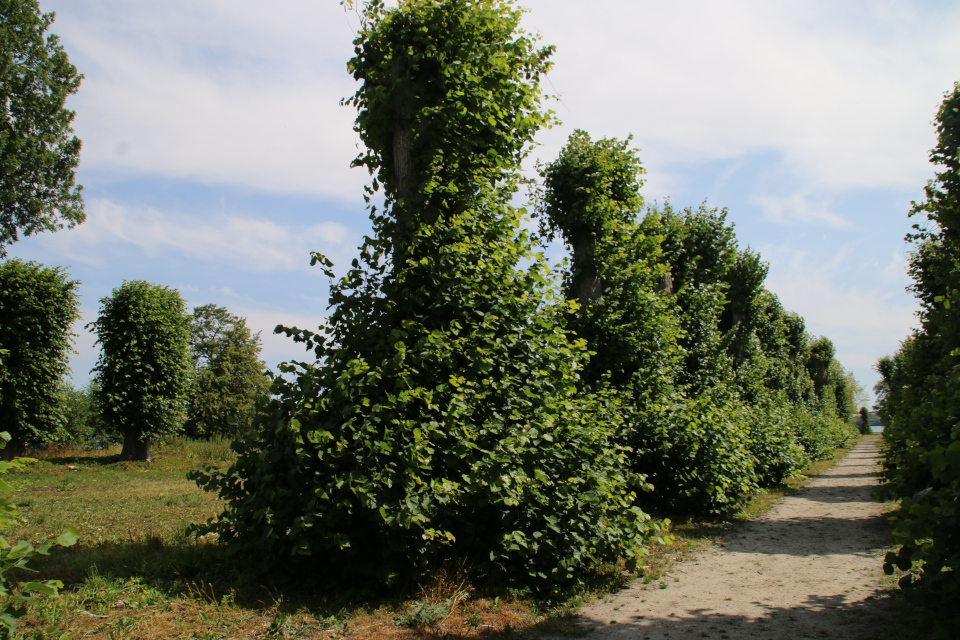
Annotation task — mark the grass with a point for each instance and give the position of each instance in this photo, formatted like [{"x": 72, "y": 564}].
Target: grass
[{"x": 137, "y": 574}]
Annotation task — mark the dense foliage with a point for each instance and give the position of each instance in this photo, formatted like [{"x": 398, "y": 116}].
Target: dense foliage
[
  {"x": 458, "y": 407},
  {"x": 723, "y": 391},
  {"x": 918, "y": 391},
  {"x": 144, "y": 365},
  {"x": 38, "y": 151},
  {"x": 442, "y": 419},
  {"x": 228, "y": 376},
  {"x": 38, "y": 306}
]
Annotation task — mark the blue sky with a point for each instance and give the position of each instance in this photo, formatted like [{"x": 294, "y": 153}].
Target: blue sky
[{"x": 216, "y": 155}]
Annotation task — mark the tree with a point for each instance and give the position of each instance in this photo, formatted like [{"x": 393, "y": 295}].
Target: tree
[
  {"x": 917, "y": 395},
  {"x": 228, "y": 377},
  {"x": 864, "y": 421},
  {"x": 37, "y": 308},
  {"x": 38, "y": 153},
  {"x": 590, "y": 193},
  {"x": 144, "y": 366},
  {"x": 441, "y": 420}
]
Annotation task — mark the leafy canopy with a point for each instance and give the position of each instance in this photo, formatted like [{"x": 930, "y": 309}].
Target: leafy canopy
[
  {"x": 38, "y": 306},
  {"x": 144, "y": 365},
  {"x": 38, "y": 151},
  {"x": 228, "y": 376}
]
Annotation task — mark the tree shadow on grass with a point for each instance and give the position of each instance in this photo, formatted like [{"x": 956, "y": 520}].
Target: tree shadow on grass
[{"x": 202, "y": 571}]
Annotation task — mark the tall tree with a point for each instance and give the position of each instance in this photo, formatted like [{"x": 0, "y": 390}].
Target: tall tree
[
  {"x": 144, "y": 366},
  {"x": 917, "y": 395},
  {"x": 37, "y": 308},
  {"x": 441, "y": 420},
  {"x": 228, "y": 376},
  {"x": 38, "y": 151}
]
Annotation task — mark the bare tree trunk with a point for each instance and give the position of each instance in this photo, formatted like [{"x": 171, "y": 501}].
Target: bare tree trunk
[{"x": 136, "y": 447}]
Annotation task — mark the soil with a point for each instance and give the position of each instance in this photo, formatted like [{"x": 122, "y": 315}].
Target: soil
[{"x": 810, "y": 568}]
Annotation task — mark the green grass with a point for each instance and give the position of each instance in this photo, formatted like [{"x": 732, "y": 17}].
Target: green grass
[{"x": 136, "y": 573}]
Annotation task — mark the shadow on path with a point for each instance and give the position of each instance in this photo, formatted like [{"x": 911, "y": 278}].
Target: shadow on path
[{"x": 863, "y": 619}]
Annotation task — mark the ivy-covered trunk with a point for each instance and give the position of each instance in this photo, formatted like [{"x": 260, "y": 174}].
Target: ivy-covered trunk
[{"x": 587, "y": 284}]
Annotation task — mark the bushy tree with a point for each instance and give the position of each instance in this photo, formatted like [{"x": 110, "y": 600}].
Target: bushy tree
[
  {"x": 864, "y": 421},
  {"x": 917, "y": 395},
  {"x": 38, "y": 151},
  {"x": 38, "y": 306},
  {"x": 442, "y": 418},
  {"x": 144, "y": 365},
  {"x": 228, "y": 376}
]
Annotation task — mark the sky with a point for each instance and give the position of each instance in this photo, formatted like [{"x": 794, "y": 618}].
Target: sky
[{"x": 216, "y": 155}]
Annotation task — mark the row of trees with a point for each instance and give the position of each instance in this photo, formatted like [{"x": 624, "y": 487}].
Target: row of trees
[
  {"x": 918, "y": 390},
  {"x": 464, "y": 404},
  {"x": 161, "y": 371}
]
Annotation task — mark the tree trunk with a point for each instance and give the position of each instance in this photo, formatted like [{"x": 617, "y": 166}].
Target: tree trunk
[
  {"x": 666, "y": 283},
  {"x": 14, "y": 449},
  {"x": 587, "y": 285},
  {"x": 136, "y": 448},
  {"x": 405, "y": 171}
]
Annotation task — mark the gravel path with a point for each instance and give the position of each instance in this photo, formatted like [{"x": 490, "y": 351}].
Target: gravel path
[{"x": 808, "y": 569}]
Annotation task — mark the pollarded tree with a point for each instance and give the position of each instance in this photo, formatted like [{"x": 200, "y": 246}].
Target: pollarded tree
[
  {"x": 591, "y": 194},
  {"x": 228, "y": 376},
  {"x": 38, "y": 151},
  {"x": 441, "y": 420},
  {"x": 37, "y": 308},
  {"x": 144, "y": 366},
  {"x": 864, "y": 421},
  {"x": 591, "y": 199}
]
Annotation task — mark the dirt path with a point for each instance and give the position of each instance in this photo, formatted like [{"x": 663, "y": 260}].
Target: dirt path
[{"x": 808, "y": 569}]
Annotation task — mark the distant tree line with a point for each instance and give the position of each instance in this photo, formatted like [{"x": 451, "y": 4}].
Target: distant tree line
[{"x": 161, "y": 371}]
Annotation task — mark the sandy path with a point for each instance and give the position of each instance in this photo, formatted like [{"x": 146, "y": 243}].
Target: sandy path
[{"x": 808, "y": 569}]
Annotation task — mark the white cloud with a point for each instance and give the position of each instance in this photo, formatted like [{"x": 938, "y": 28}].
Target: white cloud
[
  {"x": 278, "y": 348},
  {"x": 215, "y": 92},
  {"x": 246, "y": 244},
  {"x": 863, "y": 316},
  {"x": 245, "y": 93},
  {"x": 844, "y": 92},
  {"x": 797, "y": 209}
]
